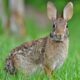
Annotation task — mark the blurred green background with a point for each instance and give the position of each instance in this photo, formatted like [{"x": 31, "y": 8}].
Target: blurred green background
[{"x": 35, "y": 30}]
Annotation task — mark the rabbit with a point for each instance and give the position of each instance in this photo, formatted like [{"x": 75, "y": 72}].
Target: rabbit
[{"x": 48, "y": 53}]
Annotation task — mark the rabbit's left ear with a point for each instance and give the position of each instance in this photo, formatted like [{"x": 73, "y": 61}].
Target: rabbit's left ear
[
  {"x": 51, "y": 11},
  {"x": 68, "y": 11}
]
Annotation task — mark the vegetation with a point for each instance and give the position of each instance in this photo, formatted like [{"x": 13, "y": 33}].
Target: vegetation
[{"x": 69, "y": 71}]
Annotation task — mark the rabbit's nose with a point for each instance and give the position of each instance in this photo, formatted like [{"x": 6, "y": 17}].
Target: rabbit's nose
[{"x": 58, "y": 37}]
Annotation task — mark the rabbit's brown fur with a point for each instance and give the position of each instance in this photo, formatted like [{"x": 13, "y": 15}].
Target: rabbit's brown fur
[
  {"x": 43, "y": 52},
  {"x": 48, "y": 53}
]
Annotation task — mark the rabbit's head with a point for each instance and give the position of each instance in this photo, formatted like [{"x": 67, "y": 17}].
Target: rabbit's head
[{"x": 60, "y": 27}]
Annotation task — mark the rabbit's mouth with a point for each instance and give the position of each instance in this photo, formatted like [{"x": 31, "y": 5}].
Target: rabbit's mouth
[{"x": 57, "y": 38}]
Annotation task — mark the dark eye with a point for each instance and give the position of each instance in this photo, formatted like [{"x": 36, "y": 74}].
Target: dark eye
[
  {"x": 67, "y": 26},
  {"x": 53, "y": 25}
]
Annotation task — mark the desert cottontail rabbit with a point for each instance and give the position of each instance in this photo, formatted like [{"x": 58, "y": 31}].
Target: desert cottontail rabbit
[{"x": 50, "y": 52}]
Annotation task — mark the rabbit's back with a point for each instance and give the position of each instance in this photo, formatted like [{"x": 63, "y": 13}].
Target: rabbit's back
[{"x": 29, "y": 56}]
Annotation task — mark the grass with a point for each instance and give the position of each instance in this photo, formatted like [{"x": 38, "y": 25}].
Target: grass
[{"x": 69, "y": 71}]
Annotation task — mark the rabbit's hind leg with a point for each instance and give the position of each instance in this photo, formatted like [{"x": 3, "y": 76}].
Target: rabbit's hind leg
[
  {"x": 50, "y": 73},
  {"x": 47, "y": 70}
]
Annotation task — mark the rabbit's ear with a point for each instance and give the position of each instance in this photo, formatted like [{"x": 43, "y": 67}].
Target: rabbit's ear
[
  {"x": 51, "y": 11},
  {"x": 68, "y": 11}
]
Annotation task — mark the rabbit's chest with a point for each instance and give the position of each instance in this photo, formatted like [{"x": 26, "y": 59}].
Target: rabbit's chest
[
  {"x": 58, "y": 58},
  {"x": 56, "y": 54}
]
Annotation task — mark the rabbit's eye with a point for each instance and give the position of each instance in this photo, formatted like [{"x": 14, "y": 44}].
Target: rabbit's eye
[
  {"x": 67, "y": 26},
  {"x": 53, "y": 25}
]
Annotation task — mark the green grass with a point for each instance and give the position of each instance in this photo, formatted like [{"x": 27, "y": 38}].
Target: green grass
[{"x": 69, "y": 71}]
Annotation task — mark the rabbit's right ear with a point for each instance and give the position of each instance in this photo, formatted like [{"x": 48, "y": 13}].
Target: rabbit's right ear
[
  {"x": 68, "y": 11},
  {"x": 51, "y": 11}
]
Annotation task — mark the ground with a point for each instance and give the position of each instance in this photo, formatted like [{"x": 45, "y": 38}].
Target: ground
[{"x": 69, "y": 71}]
